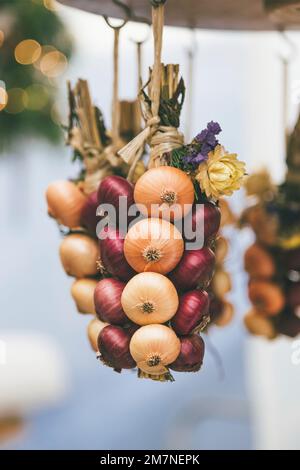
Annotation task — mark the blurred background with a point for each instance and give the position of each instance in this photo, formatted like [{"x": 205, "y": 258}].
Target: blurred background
[{"x": 53, "y": 392}]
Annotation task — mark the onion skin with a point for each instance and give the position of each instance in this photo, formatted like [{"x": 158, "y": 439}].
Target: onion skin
[
  {"x": 82, "y": 292},
  {"x": 158, "y": 185},
  {"x": 153, "y": 245},
  {"x": 79, "y": 254},
  {"x": 149, "y": 298},
  {"x": 65, "y": 202},
  {"x": 193, "y": 311},
  {"x": 260, "y": 325},
  {"x": 195, "y": 268},
  {"x": 154, "y": 341},
  {"x": 206, "y": 215},
  {"x": 107, "y": 298},
  {"x": 88, "y": 217},
  {"x": 227, "y": 314},
  {"x": 112, "y": 254},
  {"x": 93, "y": 330},
  {"x": 258, "y": 262},
  {"x": 191, "y": 354},
  {"x": 216, "y": 308},
  {"x": 266, "y": 296},
  {"x": 113, "y": 345},
  {"x": 112, "y": 188}
]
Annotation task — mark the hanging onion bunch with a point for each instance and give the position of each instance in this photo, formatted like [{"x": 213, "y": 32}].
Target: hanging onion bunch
[
  {"x": 273, "y": 261},
  {"x": 150, "y": 296}
]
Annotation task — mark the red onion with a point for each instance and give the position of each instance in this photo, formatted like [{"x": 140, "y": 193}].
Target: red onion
[
  {"x": 88, "y": 217},
  {"x": 107, "y": 298},
  {"x": 112, "y": 254},
  {"x": 113, "y": 345},
  {"x": 288, "y": 324},
  {"x": 293, "y": 295},
  {"x": 191, "y": 354},
  {"x": 216, "y": 308},
  {"x": 192, "y": 312},
  {"x": 112, "y": 188},
  {"x": 194, "y": 269},
  {"x": 292, "y": 259},
  {"x": 206, "y": 215}
]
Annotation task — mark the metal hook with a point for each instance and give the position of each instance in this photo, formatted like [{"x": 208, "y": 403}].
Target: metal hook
[{"x": 127, "y": 12}]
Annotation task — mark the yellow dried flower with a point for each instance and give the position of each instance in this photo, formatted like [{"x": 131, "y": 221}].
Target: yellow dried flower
[{"x": 221, "y": 174}]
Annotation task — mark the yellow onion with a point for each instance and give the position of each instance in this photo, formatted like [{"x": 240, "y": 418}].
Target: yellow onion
[
  {"x": 167, "y": 187},
  {"x": 226, "y": 315},
  {"x": 82, "y": 292},
  {"x": 79, "y": 255},
  {"x": 65, "y": 202},
  {"x": 149, "y": 298},
  {"x": 153, "y": 245},
  {"x": 153, "y": 347},
  {"x": 94, "y": 328},
  {"x": 260, "y": 325},
  {"x": 221, "y": 283},
  {"x": 222, "y": 247}
]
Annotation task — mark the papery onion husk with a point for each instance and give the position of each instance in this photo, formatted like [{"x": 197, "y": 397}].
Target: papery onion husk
[
  {"x": 260, "y": 325},
  {"x": 193, "y": 312},
  {"x": 112, "y": 188},
  {"x": 88, "y": 217},
  {"x": 153, "y": 245},
  {"x": 79, "y": 254},
  {"x": 65, "y": 202},
  {"x": 93, "y": 330},
  {"x": 206, "y": 217},
  {"x": 258, "y": 262},
  {"x": 113, "y": 344},
  {"x": 112, "y": 254},
  {"x": 154, "y": 347},
  {"x": 107, "y": 298},
  {"x": 266, "y": 296},
  {"x": 195, "y": 269},
  {"x": 191, "y": 354},
  {"x": 82, "y": 291},
  {"x": 149, "y": 298},
  {"x": 167, "y": 187}
]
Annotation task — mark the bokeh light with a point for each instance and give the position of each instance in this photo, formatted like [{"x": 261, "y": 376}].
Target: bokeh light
[
  {"x": 3, "y": 98},
  {"x": 53, "y": 64},
  {"x": 37, "y": 97},
  {"x": 50, "y": 5},
  {"x": 1, "y": 38},
  {"x": 17, "y": 100},
  {"x": 27, "y": 51}
]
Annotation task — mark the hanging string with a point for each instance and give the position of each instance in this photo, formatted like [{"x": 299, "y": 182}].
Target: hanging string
[
  {"x": 162, "y": 139},
  {"x": 115, "y": 128},
  {"x": 191, "y": 53}
]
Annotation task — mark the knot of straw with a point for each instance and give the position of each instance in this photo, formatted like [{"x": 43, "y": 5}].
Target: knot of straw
[{"x": 161, "y": 139}]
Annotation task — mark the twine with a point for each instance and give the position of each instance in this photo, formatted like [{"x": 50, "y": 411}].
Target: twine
[{"x": 162, "y": 139}]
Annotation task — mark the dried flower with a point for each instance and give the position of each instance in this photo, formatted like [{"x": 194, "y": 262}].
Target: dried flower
[{"x": 221, "y": 174}]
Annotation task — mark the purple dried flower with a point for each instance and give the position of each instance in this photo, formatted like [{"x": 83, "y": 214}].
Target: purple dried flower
[{"x": 214, "y": 127}]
